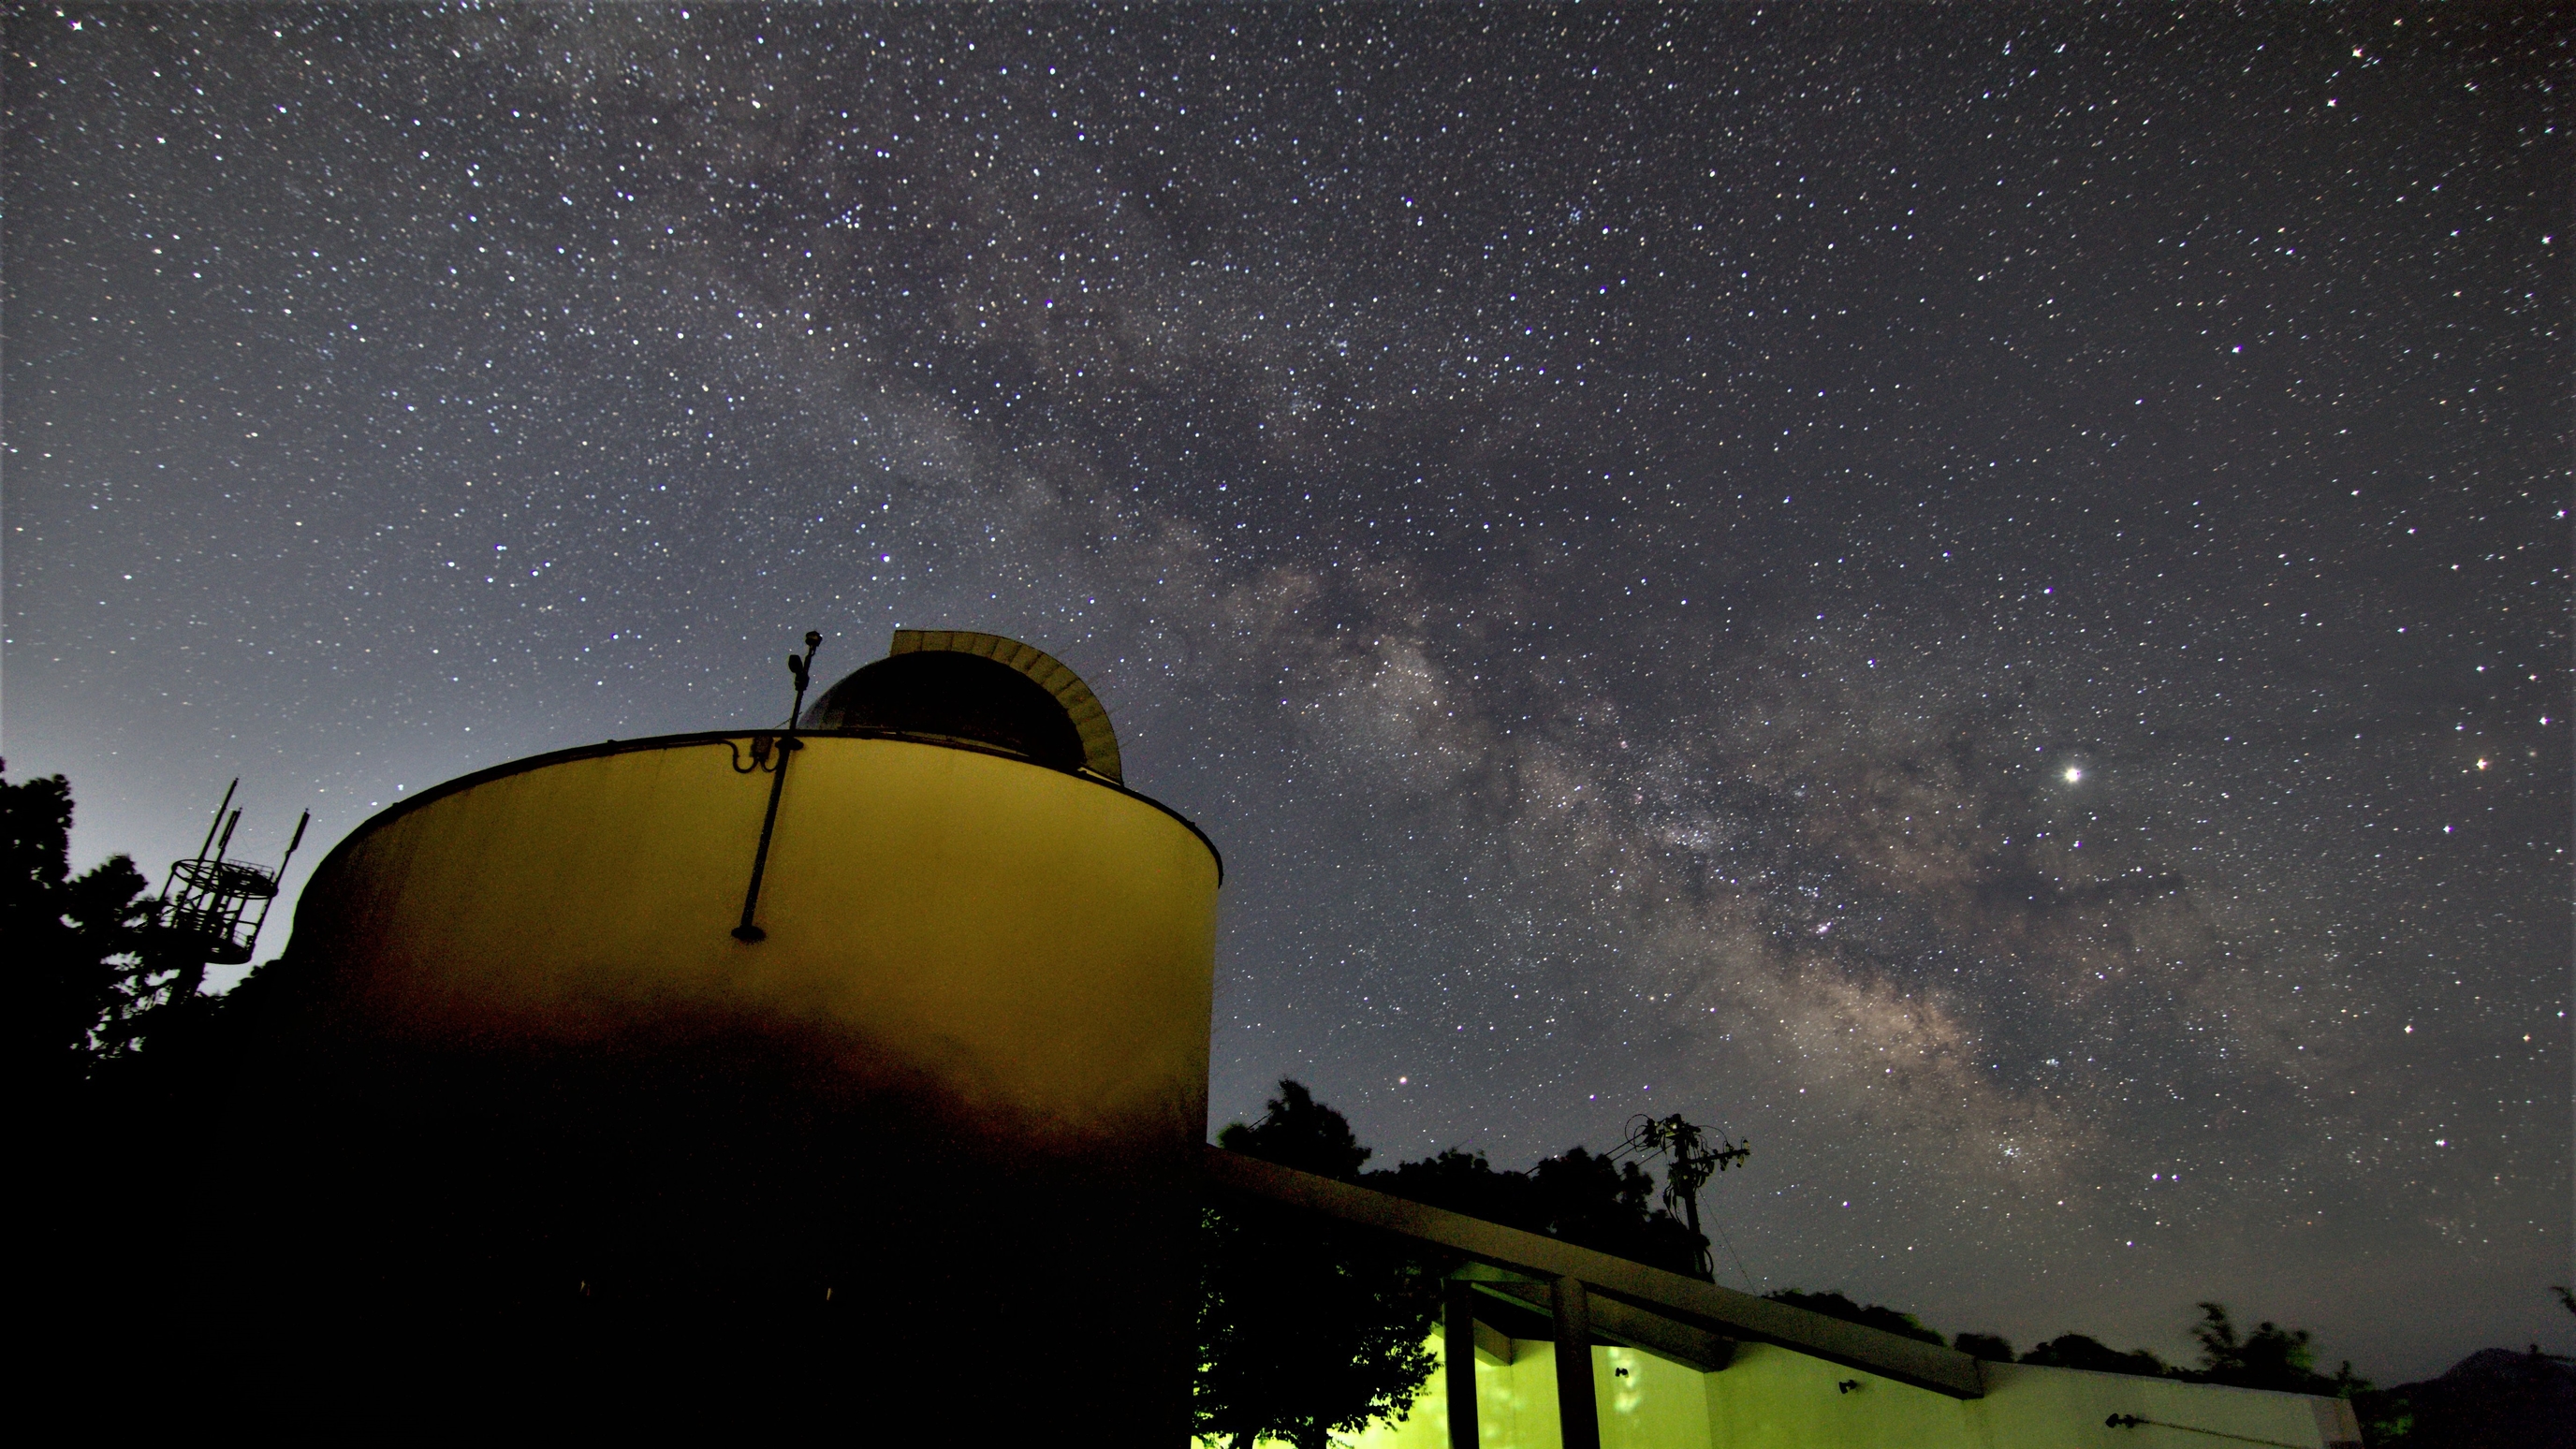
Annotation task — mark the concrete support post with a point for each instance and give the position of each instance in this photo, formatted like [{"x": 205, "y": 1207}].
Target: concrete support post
[
  {"x": 1459, "y": 1350},
  {"x": 1578, "y": 1418}
]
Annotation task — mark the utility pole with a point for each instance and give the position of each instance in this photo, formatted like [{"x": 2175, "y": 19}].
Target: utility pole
[{"x": 1690, "y": 1164}]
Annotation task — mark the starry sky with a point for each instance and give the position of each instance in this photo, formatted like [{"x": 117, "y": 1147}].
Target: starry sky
[{"x": 1975, "y": 594}]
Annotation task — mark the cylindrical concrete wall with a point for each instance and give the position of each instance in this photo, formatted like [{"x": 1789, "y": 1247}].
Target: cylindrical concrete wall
[{"x": 522, "y": 1069}]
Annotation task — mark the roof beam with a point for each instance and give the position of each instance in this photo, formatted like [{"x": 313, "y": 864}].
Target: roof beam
[{"x": 1635, "y": 1328}]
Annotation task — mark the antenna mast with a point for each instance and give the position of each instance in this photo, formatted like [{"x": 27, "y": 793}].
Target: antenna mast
[
  {"x": 803, "y": 671},
  {"x": 762, "y": 748}
]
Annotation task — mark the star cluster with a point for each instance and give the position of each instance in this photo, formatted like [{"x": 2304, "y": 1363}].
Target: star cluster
[{"x": 1975, "y": 594}]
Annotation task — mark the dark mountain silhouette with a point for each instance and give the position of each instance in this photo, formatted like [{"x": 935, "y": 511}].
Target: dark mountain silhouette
[{"x": 2495, "y": 1397}]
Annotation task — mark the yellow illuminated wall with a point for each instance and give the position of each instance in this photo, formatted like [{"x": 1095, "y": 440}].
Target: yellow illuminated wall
[
  {"x": 1775, "y": 1398},
  {"x": 522, "y": 1080},
  {"x": 1038, "y": 942}
]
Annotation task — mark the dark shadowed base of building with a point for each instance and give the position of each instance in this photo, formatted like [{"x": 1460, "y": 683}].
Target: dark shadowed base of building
[{"x": 677, "y": 1230}]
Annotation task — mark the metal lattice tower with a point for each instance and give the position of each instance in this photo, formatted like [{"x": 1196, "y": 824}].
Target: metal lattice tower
[{"x": 212, "y": 908}]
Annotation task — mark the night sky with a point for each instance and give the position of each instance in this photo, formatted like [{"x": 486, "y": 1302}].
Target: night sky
[{"x": 1978, "y": 595}]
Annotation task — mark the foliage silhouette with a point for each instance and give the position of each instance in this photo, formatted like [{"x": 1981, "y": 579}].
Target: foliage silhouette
[
  {"x": 1872, "y": 1315},
  {"x": 1993, "y": 1348},
  {"x": 129, "y": 1066},
  {"x": 2082, "y": 1351},
  {"x": 1307, "y": 1328},
  {"x": 2271, "y": 1357},
  {"x": 1578, "y": 1196},
  {"x": 77, "y": 943}
]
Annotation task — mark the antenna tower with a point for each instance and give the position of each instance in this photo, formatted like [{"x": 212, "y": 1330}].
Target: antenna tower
[{"x": 212, "y": 907}]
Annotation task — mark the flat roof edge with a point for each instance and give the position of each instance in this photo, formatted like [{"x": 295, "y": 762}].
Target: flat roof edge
[{"x": 605, "y": 748}]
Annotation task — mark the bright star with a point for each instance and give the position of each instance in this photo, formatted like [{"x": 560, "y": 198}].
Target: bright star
[{"x": 2073, "y": 774}]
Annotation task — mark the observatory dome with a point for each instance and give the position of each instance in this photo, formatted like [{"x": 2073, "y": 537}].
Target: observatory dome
[{"x": 980, "y": 689}]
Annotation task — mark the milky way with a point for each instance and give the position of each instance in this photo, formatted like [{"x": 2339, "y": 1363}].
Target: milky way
[{"x": 1976, "y": 596}]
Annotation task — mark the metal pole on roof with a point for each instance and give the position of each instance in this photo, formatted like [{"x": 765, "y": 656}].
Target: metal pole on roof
[
  {"x": 212, "y": 826},
  {"x": 785, "y": 747},
  {"x": 219, "y": 817},
  {"x": 803, "y": 671}
]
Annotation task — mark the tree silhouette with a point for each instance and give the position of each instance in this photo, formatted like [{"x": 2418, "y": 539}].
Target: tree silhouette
[
  {"x": 1872, "y": 1315},
  {"x": 128, "y": 1074},
  {"x": 2083, "y": 1351},
  {"x": 1307, "y": 1328},
  {"x": 76, "y": 943},
  {"x": 1580, "y": 1196},
  {"x": 2271, "y": 1357}
]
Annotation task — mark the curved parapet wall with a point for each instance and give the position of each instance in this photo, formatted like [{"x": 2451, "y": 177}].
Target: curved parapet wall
[
  {"x": 1040, "y": 944},
  {"x": 523, "y": 1058}
]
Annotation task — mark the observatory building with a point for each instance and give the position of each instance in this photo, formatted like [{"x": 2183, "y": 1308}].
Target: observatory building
[
  {"x": 853, "y": 1073},
  {"x": 891, "y": 1027}
]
